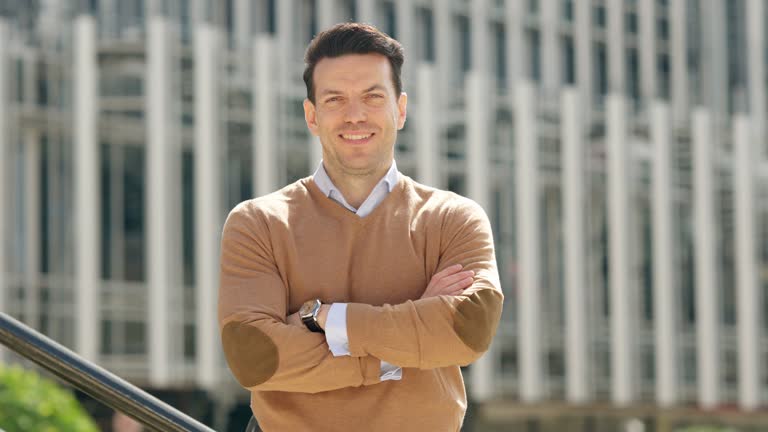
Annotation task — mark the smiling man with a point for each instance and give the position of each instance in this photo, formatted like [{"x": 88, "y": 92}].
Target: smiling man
[{"x": 350, "y": 299}]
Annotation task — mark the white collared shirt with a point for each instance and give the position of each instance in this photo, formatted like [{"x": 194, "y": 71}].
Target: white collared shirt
[
  {"x": 377, "y": 195},
  {"x": 336, "y": 322}
]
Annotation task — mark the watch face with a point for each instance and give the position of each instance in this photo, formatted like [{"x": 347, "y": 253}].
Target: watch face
[{"x": 306, "y": 308}]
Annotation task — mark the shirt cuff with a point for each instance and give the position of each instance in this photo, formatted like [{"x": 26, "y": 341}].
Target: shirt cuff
[
  {"x": 338, "y": 340},
  {"x": 390, "y": 372},
  {"x": 336, "y": 329}
]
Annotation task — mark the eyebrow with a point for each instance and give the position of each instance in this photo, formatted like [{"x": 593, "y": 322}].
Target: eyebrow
[{"x": 337, "y": 92}]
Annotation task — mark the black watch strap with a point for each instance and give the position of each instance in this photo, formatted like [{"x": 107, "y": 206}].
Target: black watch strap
[{"x": 311, "y": 323}]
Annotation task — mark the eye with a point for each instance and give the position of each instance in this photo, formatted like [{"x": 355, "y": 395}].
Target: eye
[
  {"x": 375, "y": 95},
  {"x": 333, "y": 99}
]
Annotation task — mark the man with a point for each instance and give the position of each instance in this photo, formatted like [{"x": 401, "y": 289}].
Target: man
[{"x": 350, "y": 299}]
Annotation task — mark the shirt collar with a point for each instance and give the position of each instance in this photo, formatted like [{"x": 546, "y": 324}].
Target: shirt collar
[{"x": 324, "y": 183}]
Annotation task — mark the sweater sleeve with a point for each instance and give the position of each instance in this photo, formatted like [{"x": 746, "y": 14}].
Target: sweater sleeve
[
  {"x": 443, "y": 330},
  {"x": 262, "y": 350}
]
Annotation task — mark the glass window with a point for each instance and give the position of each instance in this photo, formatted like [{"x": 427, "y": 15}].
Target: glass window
[
  {"x": 185, "y": 20},
  {"x": 600, "y": 70},
  {"x": 633, "y": 74},
  {"x": 457, "y": 183},
  {"x": 189, "y": 342},
  {"x": 464, "y": 43},
  {"x": 427, "y": 41},
  {"x": 500, "y": 59},
  {"x": 534, "y": 50},
  {"x": 106, "y": 211},
  {"x": 20, "y": 81},
  {"x": 42, "y": 84},
  {"x": 631, "y": 22},
  {"x": 648, "y": 365},
  {"x": 271, "y": 16},
  {"x": 188, "y": 216},
  {"x": 726, "y": 235},
  {"x": 765, "y": 45},
  {"x": 45, "y": 205},
  {"x": 533, "y": 7},
  {"x": 569, "y": 56},
  {"x": 81, "y": 6},
  {"x": 239, "y": 165},
  {"x": 598, "y": 16},
  {"x": 737, "y": 56},
  {"x": 686, "y": 257},
  {"x": 662, "y": 28},
  {"x": 390, "y": 20},
  {"x": 762, "y": 221},
  {"x": 730, "y": 371},
  {"x": 455, "y": 137},
  {"x": 664, "y": 76},
  {"x": 551, "y": 257},
  {"x": 349, "y": 10},
  {"x": 690, "y": 372},
  {"x": 694, "y": 53},
  {"x": 130, "y": 18},
  {"x": 645, "y": 245},
  {"x": 567, "y": 9},
  {"x": 555, "y": 364},
  {"x": 17, "y": 208},
  {"x": 135, "y": 337},
  {"x": 107, "y": 337},
  {"x": 133, "y": 217},
  {"x": 307, "y": 22},
  {"x": 121, "y": 85},
  {"x": 229, "y": 22}
]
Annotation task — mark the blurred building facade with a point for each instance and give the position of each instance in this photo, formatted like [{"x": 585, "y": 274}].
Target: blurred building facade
[{"x": 618, "y": 147}]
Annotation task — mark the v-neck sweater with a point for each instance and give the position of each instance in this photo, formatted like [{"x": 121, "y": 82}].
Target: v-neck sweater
[{"x": 296, "y": 244}]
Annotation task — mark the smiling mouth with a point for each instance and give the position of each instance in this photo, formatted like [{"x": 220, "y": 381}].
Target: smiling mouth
[{"x": 357, "y": 138}]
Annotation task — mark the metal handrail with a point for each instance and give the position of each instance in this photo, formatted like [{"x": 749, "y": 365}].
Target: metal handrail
[{"x": 94, "y": 380}]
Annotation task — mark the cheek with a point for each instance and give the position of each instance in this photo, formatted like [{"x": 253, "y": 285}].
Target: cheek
[{"x": 326, "y": 124}]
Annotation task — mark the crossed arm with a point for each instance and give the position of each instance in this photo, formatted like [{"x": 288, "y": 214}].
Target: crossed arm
[
  {"x": 451, "y": 324},
  {"x": 450, "y": 281}
]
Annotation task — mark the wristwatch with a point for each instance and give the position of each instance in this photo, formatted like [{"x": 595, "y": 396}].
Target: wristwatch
[{"x": 308, "y": 314}]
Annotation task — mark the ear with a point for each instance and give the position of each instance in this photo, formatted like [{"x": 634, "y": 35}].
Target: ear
[
  {"x": 402, "y": 103},
  {"x": 310, "y": 116}
]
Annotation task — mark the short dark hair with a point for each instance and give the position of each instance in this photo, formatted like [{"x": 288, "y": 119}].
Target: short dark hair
[{"x": 352, "y": 38}]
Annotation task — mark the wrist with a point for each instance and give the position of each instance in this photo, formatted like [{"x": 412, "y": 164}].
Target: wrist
[{"x": 322, "y": 315}]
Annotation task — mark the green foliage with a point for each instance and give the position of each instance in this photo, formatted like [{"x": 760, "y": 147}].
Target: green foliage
[{"x": 29, "y": 402}]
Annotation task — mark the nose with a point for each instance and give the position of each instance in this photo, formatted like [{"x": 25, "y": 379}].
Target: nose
[{"x": 355, "y": 112}]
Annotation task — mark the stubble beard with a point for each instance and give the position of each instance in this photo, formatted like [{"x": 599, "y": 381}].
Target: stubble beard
[
  {"x": 347, "y": 169},
  {"x": 366, "y": 171}
]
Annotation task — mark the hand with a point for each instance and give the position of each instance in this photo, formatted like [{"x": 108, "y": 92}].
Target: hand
[
  {"x": 450, "y": 281},
  {"x": 294, "y": 319}
]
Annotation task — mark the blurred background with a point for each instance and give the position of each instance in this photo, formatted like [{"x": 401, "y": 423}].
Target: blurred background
[{"x": 618, "y": 147}]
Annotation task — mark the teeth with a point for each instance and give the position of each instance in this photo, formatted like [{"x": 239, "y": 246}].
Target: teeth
[{"x": 356, "y": 137}]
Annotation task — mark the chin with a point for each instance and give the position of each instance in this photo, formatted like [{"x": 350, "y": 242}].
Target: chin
[
  {"x": 359, "y": 167},
  {"x": 358, "y": 170}
]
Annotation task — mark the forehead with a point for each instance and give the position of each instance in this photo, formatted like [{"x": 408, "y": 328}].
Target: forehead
[{"x": 351, "y": 72}]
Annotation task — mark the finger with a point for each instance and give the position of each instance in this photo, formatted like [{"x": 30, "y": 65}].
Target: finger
[
  {"x": 458, "y": 288},
  {"x": 447, "y": 271},
  {"x": 460, "y": 285},
  {"x": 450, "y": 280}
]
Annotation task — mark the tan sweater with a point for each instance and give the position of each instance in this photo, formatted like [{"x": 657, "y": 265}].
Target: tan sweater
[{"x": 296, "y": 244}]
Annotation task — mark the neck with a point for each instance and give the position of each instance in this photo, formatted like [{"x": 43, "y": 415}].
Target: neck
[{"x": 356, "y": 188}]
